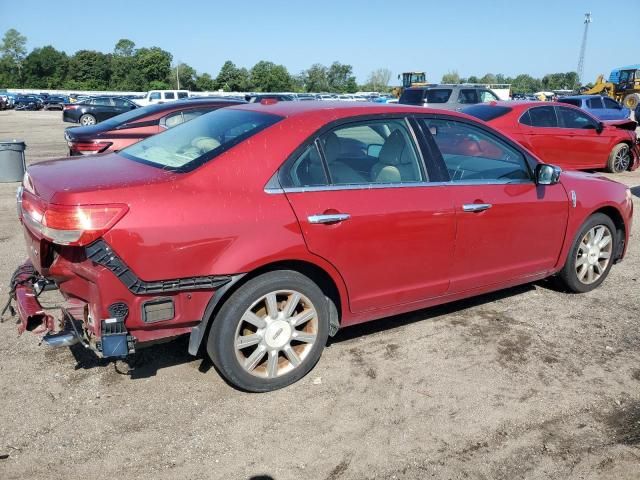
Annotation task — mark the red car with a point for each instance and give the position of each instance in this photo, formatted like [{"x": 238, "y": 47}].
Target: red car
[
  {"x": 564, "y": 135},
  {"x": 130, "y": 127},
  {"x": 261, "y": 229}
]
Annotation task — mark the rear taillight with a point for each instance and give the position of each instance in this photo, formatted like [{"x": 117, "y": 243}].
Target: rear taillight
[
  {"x": 70, "y": 107},
  {"x": 69, "y": 225},
  {"x": 88, "y": 148}
]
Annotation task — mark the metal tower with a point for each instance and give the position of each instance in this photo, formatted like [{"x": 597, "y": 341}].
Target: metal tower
[{"x": 583, "y": 48}]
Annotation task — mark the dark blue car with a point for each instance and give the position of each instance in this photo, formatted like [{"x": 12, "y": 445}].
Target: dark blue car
[{"x": 603, "y": 108}]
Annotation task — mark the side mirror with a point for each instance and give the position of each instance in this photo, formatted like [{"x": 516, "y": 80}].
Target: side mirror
[
  {"x": 599, "y": 127},
  {"x": 547, "y": 174}
]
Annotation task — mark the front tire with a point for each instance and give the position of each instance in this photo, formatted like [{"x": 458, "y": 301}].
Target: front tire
[
  {"x": 619, "y": 158},
  {"x": 87, "y": 119},
  {"x": 270, "y": 332},
  {"x": 591, "y": 255}
]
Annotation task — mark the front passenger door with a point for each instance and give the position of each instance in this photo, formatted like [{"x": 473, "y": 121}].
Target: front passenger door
[{"x": 508, "y": 228}]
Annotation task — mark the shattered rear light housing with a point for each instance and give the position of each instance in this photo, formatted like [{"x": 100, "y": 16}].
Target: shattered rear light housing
[{"x": 76, "y": 225}]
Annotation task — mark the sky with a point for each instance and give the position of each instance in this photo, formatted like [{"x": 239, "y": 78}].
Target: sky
[{"x": 470, "y": 37}]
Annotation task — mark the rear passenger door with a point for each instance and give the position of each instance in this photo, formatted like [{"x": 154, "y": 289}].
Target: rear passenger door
[
  {"x": 103, "y": 108},
  {"x": 587, "y": 147},
  {"x": 365, "y": 204},
  {"x": 543, "y": 135},
  {"x": 508, "y": 228}
]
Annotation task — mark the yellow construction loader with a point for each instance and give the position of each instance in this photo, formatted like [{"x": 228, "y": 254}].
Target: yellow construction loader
[
  {"x": 410, "y": 79},
  {"x": 623, "y": 85}
]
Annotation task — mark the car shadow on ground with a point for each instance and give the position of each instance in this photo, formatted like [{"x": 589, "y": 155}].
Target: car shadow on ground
[
  {"x": 636, "y": 190},
  {"x": 146, "y": 362}
]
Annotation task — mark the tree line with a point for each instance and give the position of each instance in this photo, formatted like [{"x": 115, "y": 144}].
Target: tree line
[
  {"x": 522, "y": 83},
  {"x": 129, "y": 68}
]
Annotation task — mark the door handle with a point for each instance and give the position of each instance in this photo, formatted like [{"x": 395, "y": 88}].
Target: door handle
[
  {"x": 329, "y": 218},
  {"x": 476, "y": 207}
]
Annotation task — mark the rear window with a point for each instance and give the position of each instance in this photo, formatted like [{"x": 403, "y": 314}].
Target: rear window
[
  {"x": 571, "y": 101},
  {"x": 193, "y": 143},
  {"x": 412, "y": 96},
  {"x": 487, "y": 112}
]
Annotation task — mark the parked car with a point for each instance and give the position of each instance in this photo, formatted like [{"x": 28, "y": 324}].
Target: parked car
[
  {"x": 259, "y": 230},
  {"x": 258, "y": 97},
  {"x": 130, "y": 127},
  {"x": 603, "y": 108},
  {"x": 447, "y": 97},
  {"x": 564, "y": 135},
  {"x": 162, "y": 96},
  {"x": 93, "y": 110},
  {"x": 28, "y": 102},
  {"x": 4, "y": 102},
  {"x": 55, "y": 102}
]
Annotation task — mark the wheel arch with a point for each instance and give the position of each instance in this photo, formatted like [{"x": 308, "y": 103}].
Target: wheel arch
[
  {"x": 334, "y": 291},
  {"x": 621, "y": 229}
]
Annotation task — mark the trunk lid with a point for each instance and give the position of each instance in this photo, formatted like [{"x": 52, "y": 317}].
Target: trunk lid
[{"x": 91, "y": 179}]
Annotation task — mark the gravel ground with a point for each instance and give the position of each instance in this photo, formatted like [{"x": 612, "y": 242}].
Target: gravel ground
[{"x": 528, "y": 382}]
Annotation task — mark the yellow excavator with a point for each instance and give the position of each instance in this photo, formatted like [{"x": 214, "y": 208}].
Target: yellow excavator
[
  {"x": 623, "y": 85},
  {"x": 410, "y": 79}
]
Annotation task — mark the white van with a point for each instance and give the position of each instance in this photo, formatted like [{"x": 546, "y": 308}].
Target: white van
[{"x": 161, "y": 96}]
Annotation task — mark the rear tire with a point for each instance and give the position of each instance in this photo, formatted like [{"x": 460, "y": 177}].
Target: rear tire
[
  {"x": 619, "y": 158},
  {"x": 591, "y": 256},
  {"x": 87, "y": 119},
  {"x": 271, "y": 332}
]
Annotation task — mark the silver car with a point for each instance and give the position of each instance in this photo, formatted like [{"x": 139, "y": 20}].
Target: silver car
[{"x": 447, "y": 97}]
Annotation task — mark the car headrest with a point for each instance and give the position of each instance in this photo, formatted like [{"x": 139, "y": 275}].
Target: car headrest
[{"x": 394, "y": 151}]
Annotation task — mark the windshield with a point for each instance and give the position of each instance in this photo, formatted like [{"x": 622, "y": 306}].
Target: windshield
[
  {"x": 486, "y": 112},
  {"x": 193, "y": 143}
]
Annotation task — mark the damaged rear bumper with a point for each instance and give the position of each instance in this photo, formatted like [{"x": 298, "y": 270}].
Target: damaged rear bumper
[{"x": 32, "y": 316}]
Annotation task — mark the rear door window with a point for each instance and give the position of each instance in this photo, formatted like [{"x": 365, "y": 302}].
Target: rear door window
[
  {"x": 488, "y": 96},
  {"x": 412, "y": 96},
  {"x": 105, "y": 102},
  {"x": 543, "y": 117},
  {"x": 154, "y": 96},
  {"x": 468, "y": 96},
  {"x": 571, "y": 101},
  {"x": 183, "y": 95},
  {"x": 595, "y": 103},
  {"x": 169, "y": 96}
]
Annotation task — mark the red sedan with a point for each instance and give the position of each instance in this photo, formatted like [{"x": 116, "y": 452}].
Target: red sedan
[
  {"x": 130, "y": 127},
  {"x": 259, "y": 230},
  {"x": 564, "y": 135}
]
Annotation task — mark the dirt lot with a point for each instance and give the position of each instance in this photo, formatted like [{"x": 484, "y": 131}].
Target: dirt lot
[{"x": 524, "y": 383}]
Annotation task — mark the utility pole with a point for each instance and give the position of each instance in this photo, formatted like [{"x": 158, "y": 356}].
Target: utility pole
[
  {"x": 178, "y": 74},
  {"x": 583, "y": 48}
]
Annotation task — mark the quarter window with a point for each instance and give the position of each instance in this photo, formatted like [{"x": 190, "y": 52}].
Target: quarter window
[
  {"x": 173, "y": 120},
  {"x": 306, "y": 170},
  {"x": 183, "y": 95},
  {"x": 573, "y": 118},
  {"x": 154, "y": 96},
  {"x": 488, "y": 96},
  {"x": 544, "y": 117},
  {"x": 472, "y": 155}
]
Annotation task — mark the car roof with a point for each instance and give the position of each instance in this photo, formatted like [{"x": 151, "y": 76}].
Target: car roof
[
  {"x": 519, "y": 105},
  {"x": 579, "y": 97},
  {"x": 336, "y": 110},
  {"x": 444, "y": 85}
]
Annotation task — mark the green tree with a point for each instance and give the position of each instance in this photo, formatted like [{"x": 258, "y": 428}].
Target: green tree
[
  {"x": 451, "y": 77},
  {"x": 378, "y": 80},
  {"x": 45, "y": 67},
  {"x": 341, "y": 79},
  {"x": 13, "y": 50},
  {"x": 524, "y": 83},
  {"x": 124, "y": 48},
  {"x": 187, "y": 77},
  {"x": 269, "y": 77},
  {"x": 315, "y": 78},
  {"x": 473, "y": 79},
  {"x": 154, "y": 65},
  {"x": 205, "y": 83},
  {"x": 89, "y": 70},
  {"x": 233, "y": 79},
  {"x": 488, "y": 78}
]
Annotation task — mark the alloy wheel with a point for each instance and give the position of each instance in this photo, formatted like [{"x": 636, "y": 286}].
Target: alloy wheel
[
  {"x": 622, "y": 159},
  {"x": 276, "y": 333},
  {"x": 594, "y": 254}
]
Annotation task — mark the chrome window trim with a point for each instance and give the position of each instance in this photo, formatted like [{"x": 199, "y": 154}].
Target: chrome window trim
[{"x": 376, "y": 186}]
